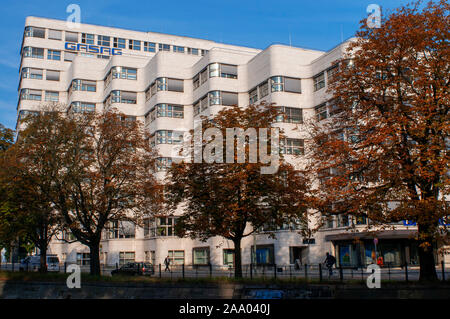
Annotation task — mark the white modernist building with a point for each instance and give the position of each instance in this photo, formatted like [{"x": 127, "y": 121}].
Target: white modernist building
[{"x": 167, "y": 81}]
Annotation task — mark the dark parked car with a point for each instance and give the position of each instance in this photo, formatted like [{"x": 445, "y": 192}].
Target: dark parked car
[{"x": 133, "y": 269}]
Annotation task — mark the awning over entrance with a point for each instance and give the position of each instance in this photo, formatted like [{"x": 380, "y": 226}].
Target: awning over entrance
[{"x": 385, "y": 234}]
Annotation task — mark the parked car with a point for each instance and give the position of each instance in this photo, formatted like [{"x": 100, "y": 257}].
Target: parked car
[
  {"x": 135, "y": 268},
  {"x": 32, "y": 263}
]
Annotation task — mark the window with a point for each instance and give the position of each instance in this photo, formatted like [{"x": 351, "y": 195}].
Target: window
[
  {"x": 31, "y": 73},
  {"x": 29, "y": 94},
  {"x": 292, "y": 85},
  {"x": 52, "y": 75},
  {"x": 319, "y": 81},
  {"x": 30, "y": 52},
  {"x": 175, "y": 85},
  {"x": 331, "y": 73},
  {"x": 25, "y": 113},
  {"x": 178, "y": 49},
  {"x": 223, "y": 70},
  {"x": 163, "y": 163},
  {"x": 321, "y": 112},
  {"x": 51, "y": 96},
  {"x": 228, "y": 257},
  {"x": 119, "y": 72},
  {"x": 119, "y": 43},
  {"x": 253, "y": 96},
  {"x": 176, "y": 257},
  {"x": 196, "y": 81},
  {"x": 264, "y": 254},
  {"x": 229, "y": 98},
  {"x": 54, "y": 55},
  {"x": 214, "y": 98},
  {"x": 121, "y": 229},
  {"x": 192, "y": 51},
  {"x": 291, "y": 115},
  {"x": 82, "y": 107},
  {"x": 164, "y": 47},
  {"x": 263, "y": 89},
  {"x": 214, "y": 70},
  {"x": 161, "y": 84},
  {"x": 35, "y": 32},
  {"x": 126, "y": 257},
  {"x": 159, "y": 226},
  {"x": 83, "y": 259},
  {"x": 204, "y": 52},
  {"x": 104, "y": 40},
  {"x": 123, "y": 97},
  {"x": 134, "y": 45},
  {"x": 203, "y": 75},
  {"x": 292, "y": 146},
  {"x": 54, "y": 34},
  {"x": 277, "y": 83},
  {"x": 69, "y": 56},
  {"x": 84, "y": 85},
  {"x": 71, "y": 36},
  {"x": 200, "y": 256},
  {"x": 87, "y": 38},
  {"x": 149, "y": 46},
  {"x": 196, "y": 108}
]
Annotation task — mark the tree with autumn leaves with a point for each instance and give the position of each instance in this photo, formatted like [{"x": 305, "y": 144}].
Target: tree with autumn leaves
[
  {"x": 78, "y": 172},
  {"x": 384, "y": 152},
  {"x": 236, "y": 199}
]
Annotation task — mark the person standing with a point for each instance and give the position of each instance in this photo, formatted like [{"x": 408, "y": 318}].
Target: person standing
[{"x": 329, "y": 262}]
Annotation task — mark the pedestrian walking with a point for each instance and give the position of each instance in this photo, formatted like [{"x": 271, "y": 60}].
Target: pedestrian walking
[
  {"x": 329, "y": 262},
  {"x": 167, "y": 263}
]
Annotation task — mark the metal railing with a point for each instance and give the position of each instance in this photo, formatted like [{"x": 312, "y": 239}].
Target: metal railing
[{"x": 306, "y": 272}]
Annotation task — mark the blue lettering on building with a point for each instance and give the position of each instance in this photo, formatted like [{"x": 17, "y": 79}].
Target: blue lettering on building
[{"x": 90, "y": 48}]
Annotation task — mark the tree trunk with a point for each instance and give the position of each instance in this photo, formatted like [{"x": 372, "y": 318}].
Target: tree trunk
[
  {"x": 94, "y": 252},
  {"x": 237, "y": 258},
  {"x": 43, "y": 256},
  {"x": 426, "y": 255}
]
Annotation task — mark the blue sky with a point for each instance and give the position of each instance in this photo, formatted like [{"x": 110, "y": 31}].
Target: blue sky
[{"x": 318, "y": 24}]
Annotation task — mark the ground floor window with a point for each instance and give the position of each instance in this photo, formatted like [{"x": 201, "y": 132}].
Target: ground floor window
[
  {"x": 200, "y": 256},
  {"x": 176, "y": 257},
  {"x": 388, "y": 252},
  {"x": 83, "y": 259},
  {"x": 228, "y": 257},
  {"x": 264, "y": 254},
  {"x": 126, "y": 257},
  {"x": 150, "y": 257}
]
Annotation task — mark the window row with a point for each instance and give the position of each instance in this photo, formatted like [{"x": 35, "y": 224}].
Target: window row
[
  {"x": 120, "y": 72},
  {"x": 164, "y": 110},
  {"x": 36, "y": 95},
  {"x": 107, "y": 41},
  {"x": 215, "y": 98},
  {"x": 326, "y": 110},
  {"x": 56, "y": 55},
  {"x": 319, "y": 79},
  {"x": 277, "y": 84},
  {"x": 159, "y": 226},
  {"x": 81, "y": 107},
  {"x": 38, "y": 74},
  {"x": 166, "y": 137},
  {"x": 215, "y": 70},
  {"x": 117, "y": 96},
  {"x": 290, "y": 115},
  {"x": 164, "y": 84}
]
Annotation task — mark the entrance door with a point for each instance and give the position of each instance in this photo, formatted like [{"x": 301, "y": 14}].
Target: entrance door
[{"x": 295, "y": 254}]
